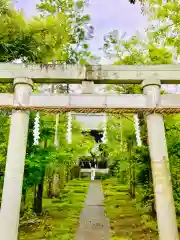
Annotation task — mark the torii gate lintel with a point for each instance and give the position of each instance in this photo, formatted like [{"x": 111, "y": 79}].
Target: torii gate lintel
[{"x": 75, "y": 74}]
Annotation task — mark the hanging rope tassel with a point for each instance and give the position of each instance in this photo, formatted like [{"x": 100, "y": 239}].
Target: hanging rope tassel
[
  {"x": 137, "y": 130},
  {"x": 69, "y": 128},
  {"x": 36, "y": 132},
  {"x": 104, "y": 138}
]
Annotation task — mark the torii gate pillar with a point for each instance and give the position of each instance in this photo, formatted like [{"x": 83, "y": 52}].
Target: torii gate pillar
[
  {"x": 166, "y": 216},
  {"x": 13, "y": 180}
]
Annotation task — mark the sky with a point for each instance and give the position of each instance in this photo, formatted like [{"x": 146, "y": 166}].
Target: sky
[{"x": 106, "y": 15}]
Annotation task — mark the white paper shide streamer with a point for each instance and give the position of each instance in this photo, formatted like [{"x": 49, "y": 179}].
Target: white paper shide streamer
[
  {"x": 69, "y": 128},
  {"x": 137, "y": 130},
  {"x": 36, "y": 132},
  {"x": 104, "y": 138}
]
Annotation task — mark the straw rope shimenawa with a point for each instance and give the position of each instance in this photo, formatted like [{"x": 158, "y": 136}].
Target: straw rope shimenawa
[{"x": 49, "y": 109}]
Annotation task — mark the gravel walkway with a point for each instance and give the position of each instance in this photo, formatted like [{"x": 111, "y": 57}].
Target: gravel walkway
[{"x": 93, "y": 223}]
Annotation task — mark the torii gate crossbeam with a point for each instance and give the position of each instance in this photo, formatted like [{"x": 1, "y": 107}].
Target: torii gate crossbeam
[
  {"x": 151, "y": 77},
  {"x": 73, "y": 74}
]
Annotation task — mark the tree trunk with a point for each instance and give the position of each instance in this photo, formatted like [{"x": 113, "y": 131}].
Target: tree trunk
[
  {"x": 71, "y": 174},
  {"x": 50, "y": 185},
  {"x": 132, "y": 173},
  {"x": 39, "y": 192},
  {"x": 67, "y": 176},
  {"x": 133, "y": 185},
  {"x": 130, "y": 169},
  {"x": 62, "y": 177},
  {"x": 55, "y": 185},
  {"x": 34, "y": 204},
  {"x": 153, "y": 209},
  {"x": 23, "y": 202},
  {"x": 39, "y": 195}
]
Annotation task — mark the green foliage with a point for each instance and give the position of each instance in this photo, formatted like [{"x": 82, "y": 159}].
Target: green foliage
[
  {"x": 35, "y": 164},
  {"x": 60, "y": 217},
  {"x": 34, "y": 40},
  {"x": 167, "y": 31},
  {"x": 134, "y": 51},
  {"x": 142, "y": 158},
  {"x": 46, "y": 156},
  {"x": 125, "y": 219},
  {"x": 78, "y": 28},
  {"x": 52, "y": 37}
]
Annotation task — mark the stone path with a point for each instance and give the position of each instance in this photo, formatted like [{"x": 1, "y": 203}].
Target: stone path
[{"x": 93, "y": 223}]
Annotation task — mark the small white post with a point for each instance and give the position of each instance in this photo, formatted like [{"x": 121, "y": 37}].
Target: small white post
[
  {"x": 92, "y": 174},
  {"x": 13, "y": 180}
]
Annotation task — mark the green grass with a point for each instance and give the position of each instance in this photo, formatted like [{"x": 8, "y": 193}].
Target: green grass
[
  {"x": 61, "y": 216},
  {"x": 125, "y": 220}
]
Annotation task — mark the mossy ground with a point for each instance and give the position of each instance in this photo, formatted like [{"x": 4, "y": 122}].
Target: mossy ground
[
  {"x": 126, "y": 220},
  {"x": 60, "y": 216}
]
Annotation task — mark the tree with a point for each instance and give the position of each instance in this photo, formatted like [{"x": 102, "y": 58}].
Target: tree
[
  {"x": 121, "y": 143},
  {"x": 52, "y": 36},
  {"x": 30, "y": 41},
  {"x": 132, "y": 1},
  {"x": 79, "y": 28},
  {"x": 164, "y": 28}
]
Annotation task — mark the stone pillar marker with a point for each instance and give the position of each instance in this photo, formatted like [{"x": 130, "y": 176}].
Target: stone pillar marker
[
  {"x": 13, "y": 180},
  {"x": 165, "y": 208}
]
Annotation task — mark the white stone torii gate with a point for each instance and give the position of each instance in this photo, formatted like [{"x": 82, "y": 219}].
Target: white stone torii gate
[{"x": 151, "y": 101}]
